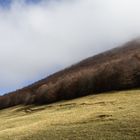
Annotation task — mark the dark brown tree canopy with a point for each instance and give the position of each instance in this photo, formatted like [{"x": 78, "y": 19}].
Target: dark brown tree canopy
[{"x": 116, "y": 69}]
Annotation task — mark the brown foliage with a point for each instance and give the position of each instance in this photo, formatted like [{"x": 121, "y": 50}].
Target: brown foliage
[{"x": 116, "y": 69}]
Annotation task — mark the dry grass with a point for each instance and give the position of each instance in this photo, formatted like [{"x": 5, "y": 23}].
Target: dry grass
[{"x": 110, "y": 116}]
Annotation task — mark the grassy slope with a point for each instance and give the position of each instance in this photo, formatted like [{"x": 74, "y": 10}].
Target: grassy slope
[{"x": 114, "y": 116}]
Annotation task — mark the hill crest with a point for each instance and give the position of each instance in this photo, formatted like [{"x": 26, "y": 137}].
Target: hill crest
[{"x": 116, "y": 69}]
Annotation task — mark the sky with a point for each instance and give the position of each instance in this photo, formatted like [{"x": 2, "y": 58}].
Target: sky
[{"x": 40, "y": 37}]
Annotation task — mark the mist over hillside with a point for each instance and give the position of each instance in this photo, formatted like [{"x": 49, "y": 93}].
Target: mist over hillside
[
  {"x": 117, "y": 69},
  {"x": 69, "y": 70},
  {"x": 40, "y": 38}
]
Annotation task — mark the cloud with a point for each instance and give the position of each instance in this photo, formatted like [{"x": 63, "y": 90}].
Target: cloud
[{"x": 37, "y": 40}]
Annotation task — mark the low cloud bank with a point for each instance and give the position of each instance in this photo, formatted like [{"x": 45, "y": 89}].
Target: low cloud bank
[{"x": 40, "y": 39}]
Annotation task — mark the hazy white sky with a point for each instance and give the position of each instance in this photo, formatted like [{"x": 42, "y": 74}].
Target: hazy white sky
[{"x": 39, "y": 39}]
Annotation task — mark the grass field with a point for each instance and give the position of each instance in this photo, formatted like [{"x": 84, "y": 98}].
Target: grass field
[{"x": 110, "y": 116}]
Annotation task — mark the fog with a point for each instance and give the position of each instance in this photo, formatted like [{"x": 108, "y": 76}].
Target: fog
[{"x": 39, "y": 39}]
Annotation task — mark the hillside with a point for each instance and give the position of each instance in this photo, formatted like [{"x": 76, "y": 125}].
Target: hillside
[
  {"x": 110, "y": 116},
  {"x": 117, "y": 69}
]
